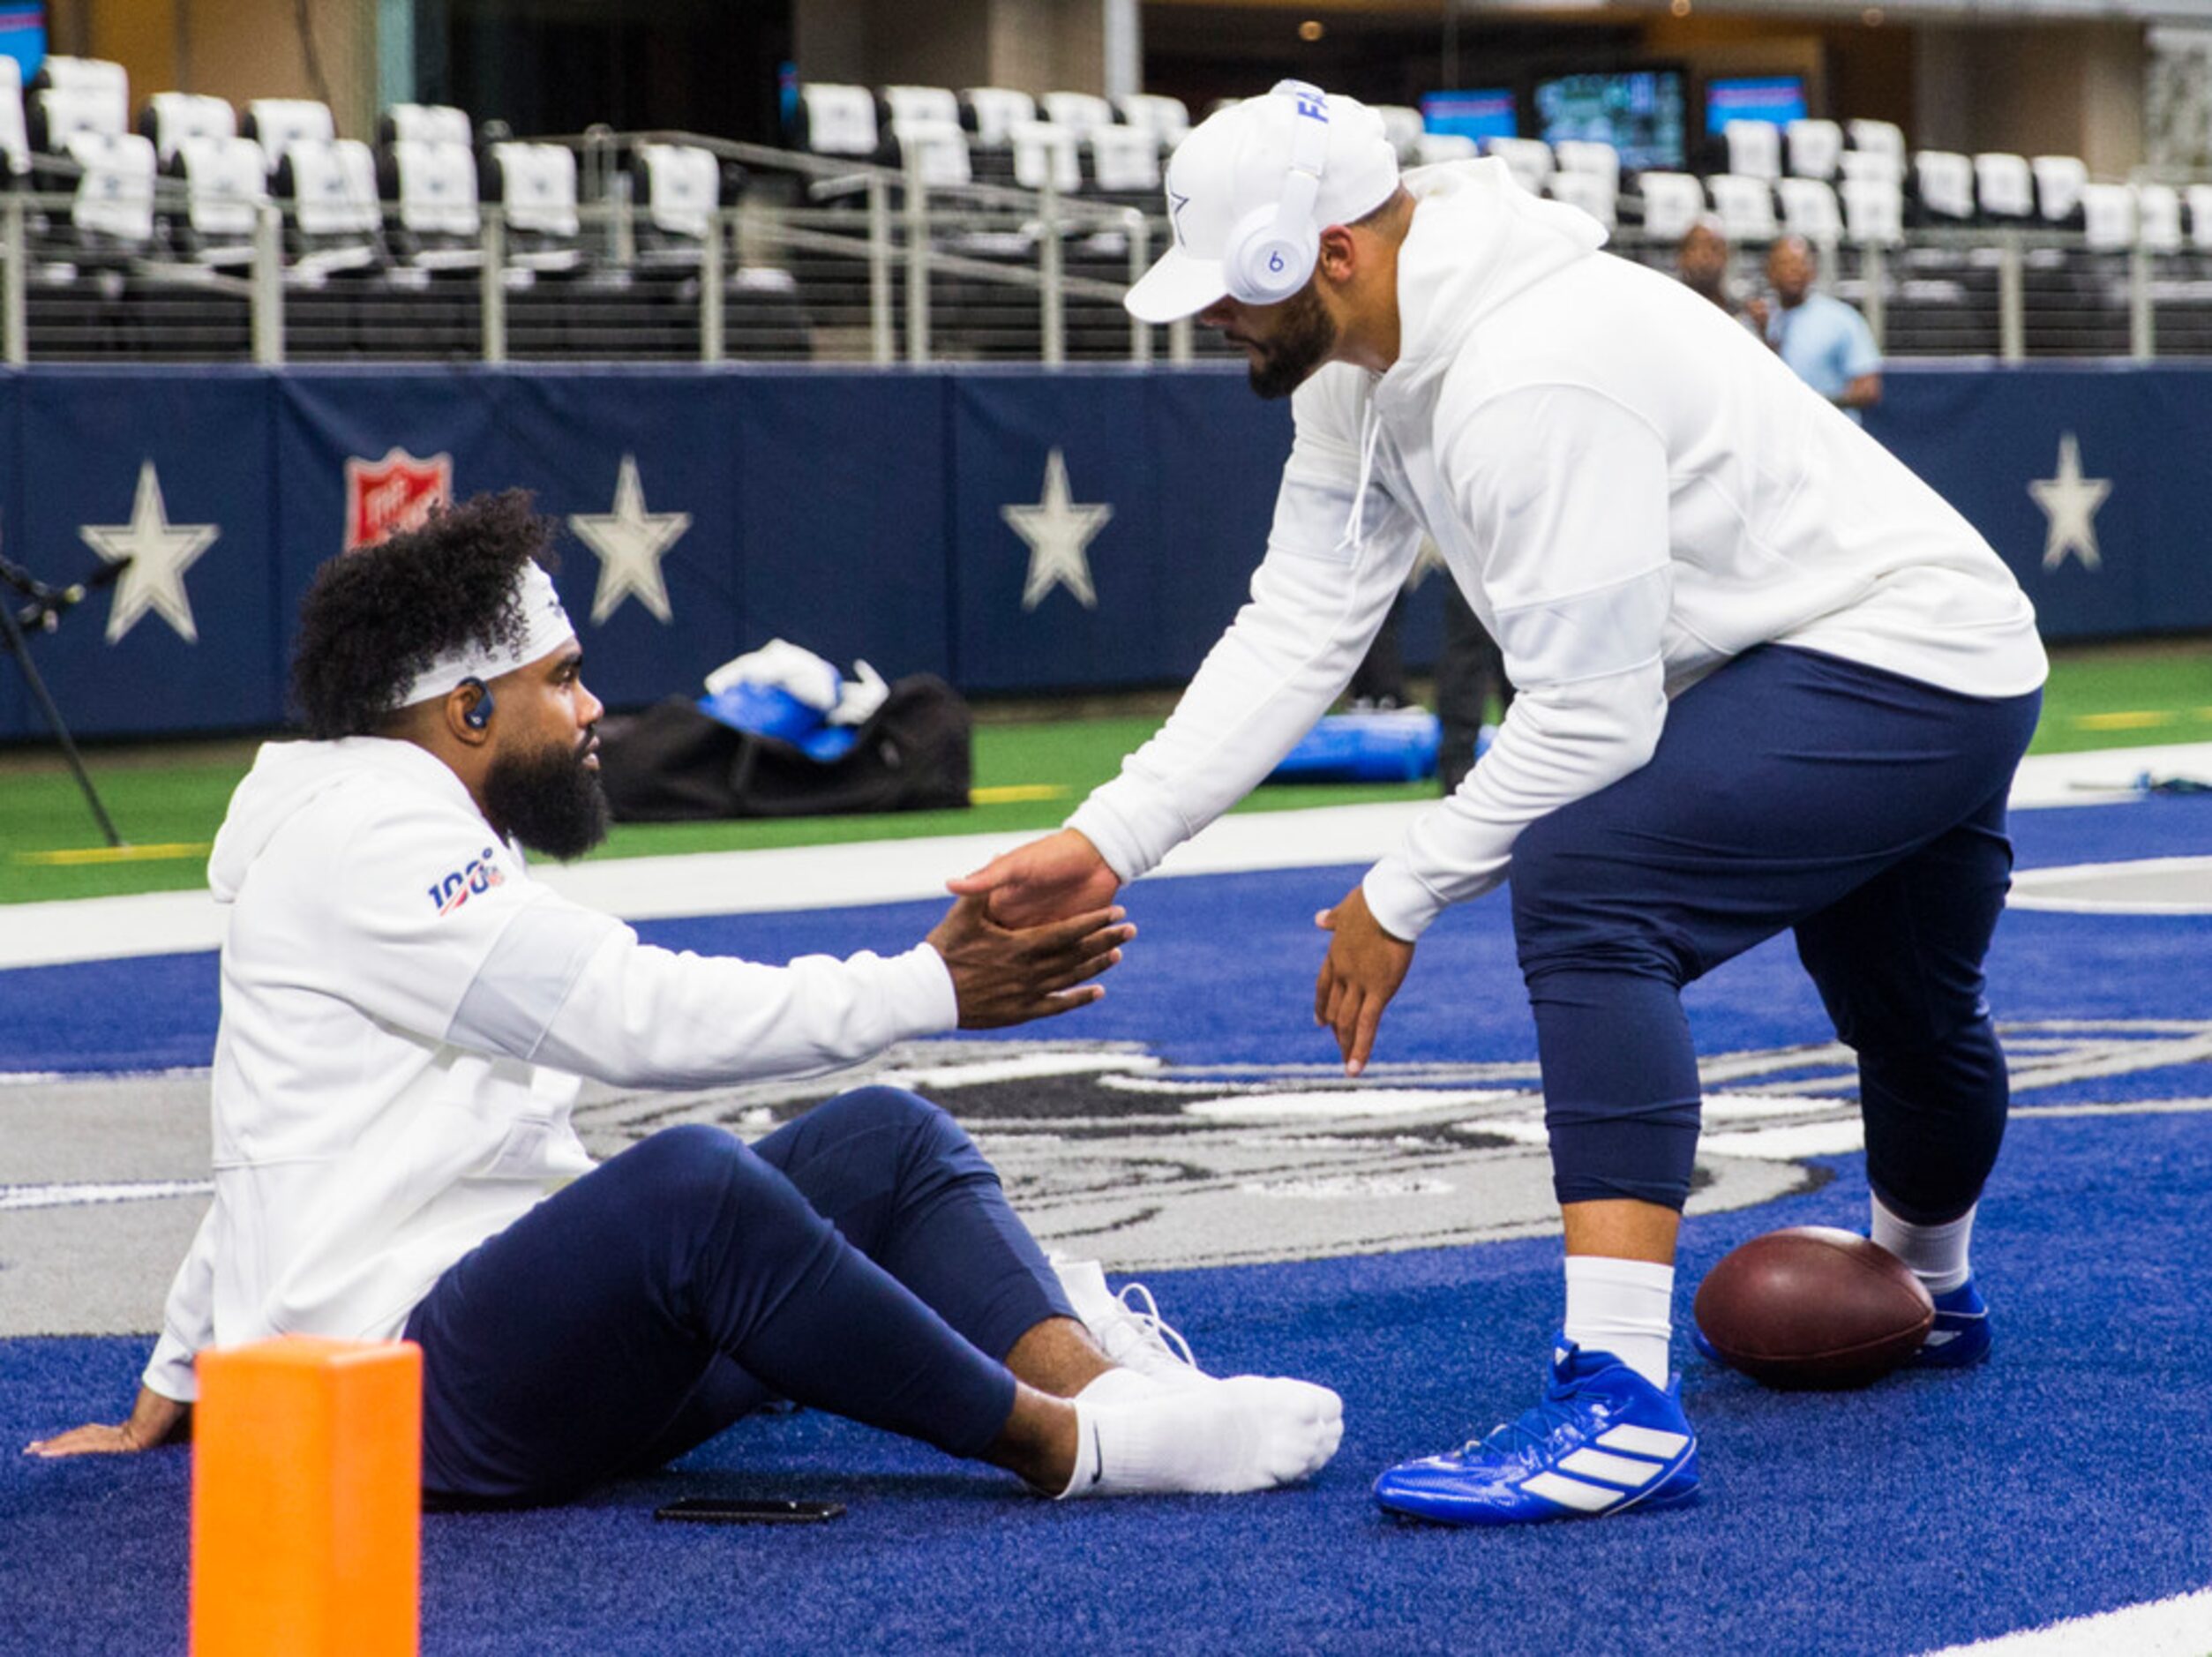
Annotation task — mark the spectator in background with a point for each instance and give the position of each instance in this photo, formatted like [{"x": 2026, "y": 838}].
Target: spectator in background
[
  {"x": 1702, "y": 262},
  {"x": 1470, "y": 671},
  {"x": 1826, "y": 342}
]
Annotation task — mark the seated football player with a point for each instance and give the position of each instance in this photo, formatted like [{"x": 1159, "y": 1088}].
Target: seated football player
[{"x": 406, "y": 1015}]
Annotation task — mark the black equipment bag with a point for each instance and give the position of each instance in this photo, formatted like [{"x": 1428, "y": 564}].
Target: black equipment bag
[{"x": 672, "y": 763}]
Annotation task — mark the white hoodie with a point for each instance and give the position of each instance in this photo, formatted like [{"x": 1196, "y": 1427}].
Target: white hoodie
[
  {"x": 1629, "y": 488},
  {"x": 404, "y": 1015}
]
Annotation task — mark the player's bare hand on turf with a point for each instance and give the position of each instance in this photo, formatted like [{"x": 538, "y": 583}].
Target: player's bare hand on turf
[
  {"x": 155, "y": 1419},
  {"x": 1363, "y": 970},
  {"x": 1008, "y": 976},
  {"x": 1051, "y": 879}
]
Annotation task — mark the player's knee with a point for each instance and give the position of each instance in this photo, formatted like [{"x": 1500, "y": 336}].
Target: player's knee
[
  {"x": 1569, "y": 915},
  {"x": 921, "y": 1142},
  {"x": 692, "y": 1169}
]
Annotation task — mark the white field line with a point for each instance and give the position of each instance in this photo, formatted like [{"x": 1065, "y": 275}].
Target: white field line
[
  {"x": 897, "y": 871},
  {"x": 2179, "y": 1627}
]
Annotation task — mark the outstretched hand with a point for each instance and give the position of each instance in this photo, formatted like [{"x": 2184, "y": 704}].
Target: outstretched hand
[
  {"x": 1050, "y": 878},
  {"x": 155, "y": 1419},
  {"x": 1001, "y": 976},
  {"x": 1363, "y": 970}
]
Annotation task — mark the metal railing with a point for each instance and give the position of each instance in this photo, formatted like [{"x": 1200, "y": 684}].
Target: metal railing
[{"x": 823, "y": 259}]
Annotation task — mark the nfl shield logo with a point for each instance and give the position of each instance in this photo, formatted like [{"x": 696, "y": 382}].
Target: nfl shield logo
[{"x": 397, "y": 492}]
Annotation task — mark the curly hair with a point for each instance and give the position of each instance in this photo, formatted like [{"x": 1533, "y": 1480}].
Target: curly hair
[{"x": 373, "y": 618}]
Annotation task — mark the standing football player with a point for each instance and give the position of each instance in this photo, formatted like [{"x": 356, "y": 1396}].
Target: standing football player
[{"x": 1767, "y": 681}]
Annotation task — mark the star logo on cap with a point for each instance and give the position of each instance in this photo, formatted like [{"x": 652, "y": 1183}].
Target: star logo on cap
[{"x": 1175, "y": 205}]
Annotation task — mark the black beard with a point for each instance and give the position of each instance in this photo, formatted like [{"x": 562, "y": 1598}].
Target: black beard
[
  {"x": 1303, "y": 341},
  {"x": 548, "y": 799}
]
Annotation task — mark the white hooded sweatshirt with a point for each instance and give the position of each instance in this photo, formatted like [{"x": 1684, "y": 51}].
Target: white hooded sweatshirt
[
  {"x": 1630, "y": 490},
  {"x": 405, "y": 1018}
]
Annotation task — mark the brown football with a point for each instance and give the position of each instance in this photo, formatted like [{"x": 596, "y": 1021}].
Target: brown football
[{"x": 1813, "y": 1307}]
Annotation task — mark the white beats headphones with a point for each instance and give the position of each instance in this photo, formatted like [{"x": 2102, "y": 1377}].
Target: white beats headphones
[{"x": 1272, "y": 251}]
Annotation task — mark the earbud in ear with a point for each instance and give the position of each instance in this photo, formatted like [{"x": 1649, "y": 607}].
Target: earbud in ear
[{"x": 479, "y": 712}]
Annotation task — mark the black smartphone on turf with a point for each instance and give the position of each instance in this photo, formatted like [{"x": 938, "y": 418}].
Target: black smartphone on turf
[{"x": 722, "y": 1510}]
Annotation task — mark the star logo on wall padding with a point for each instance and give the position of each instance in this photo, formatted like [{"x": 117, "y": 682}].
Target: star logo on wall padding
[
  {"x": 630, "y": 543},
  {"x": 1058, "y": 530},
  {"x": 2069, "y": 502},
  {"x": 158, "y": 553}
]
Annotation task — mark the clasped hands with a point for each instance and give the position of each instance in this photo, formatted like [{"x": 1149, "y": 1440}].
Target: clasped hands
[{"x": 1060, "y": 886}]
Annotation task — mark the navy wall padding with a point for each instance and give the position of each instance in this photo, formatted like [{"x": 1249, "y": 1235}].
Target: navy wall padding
[{"x": 861, "y": 512}]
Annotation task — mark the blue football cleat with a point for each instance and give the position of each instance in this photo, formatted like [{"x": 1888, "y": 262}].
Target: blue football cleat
[
  {"x": 1604, "y": 1440},
  {"x": 1960, "y": 1334},
  {"x": 1959, "y": 1338}
]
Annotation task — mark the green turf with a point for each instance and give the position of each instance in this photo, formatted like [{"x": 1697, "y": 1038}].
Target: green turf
[{"x": 2114, "y": 696}]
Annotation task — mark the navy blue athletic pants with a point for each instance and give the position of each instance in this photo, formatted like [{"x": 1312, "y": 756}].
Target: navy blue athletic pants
[
  {"x": 861, "y": 1259},
  {"x": 1789, "y": 790}
]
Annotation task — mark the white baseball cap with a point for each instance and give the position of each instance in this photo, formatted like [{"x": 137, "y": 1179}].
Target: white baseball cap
[{"x": 1237, "y": 164}]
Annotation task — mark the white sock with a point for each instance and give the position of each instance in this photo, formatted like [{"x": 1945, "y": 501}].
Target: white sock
[
  {"x": 1624, "y": 1307},
  {"x": 1246, "y": 1433},
  {"x": 1938, "y": 1255}
]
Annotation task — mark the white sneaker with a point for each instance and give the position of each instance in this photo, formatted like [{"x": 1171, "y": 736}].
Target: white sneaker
[
  {"x": 1246, "y": 1433},
  {"x": 1128, "y": 1327}
]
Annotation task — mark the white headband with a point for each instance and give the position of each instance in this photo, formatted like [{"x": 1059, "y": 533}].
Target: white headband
[{"x": 545, "y": 628}]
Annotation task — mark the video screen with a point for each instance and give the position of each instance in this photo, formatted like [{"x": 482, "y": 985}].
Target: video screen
[
  {"x": 23, "y": 37},
  {"x": 1639, "y": 112},
  {"x": 1490, "y": 113},
  {"x": 1776, "y": 99}
]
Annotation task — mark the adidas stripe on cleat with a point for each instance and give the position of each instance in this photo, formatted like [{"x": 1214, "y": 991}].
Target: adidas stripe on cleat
[
  {"x": 1959, "y": 1336},
  {"x": 1602, "y": 1440}
]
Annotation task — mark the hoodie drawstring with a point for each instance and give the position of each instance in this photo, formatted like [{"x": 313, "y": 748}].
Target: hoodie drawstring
[{"x": 1370, "y": 434}]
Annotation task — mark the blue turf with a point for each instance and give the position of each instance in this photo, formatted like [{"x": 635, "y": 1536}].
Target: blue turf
[{"x": 2061, "y": 1479}]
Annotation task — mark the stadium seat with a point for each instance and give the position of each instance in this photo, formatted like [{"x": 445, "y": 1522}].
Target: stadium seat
[
  {"x": 1878, "y": 137},
  {"x": 1942, "y": 188},
  {"x": 1045, "y": 153},
  {"x": 1873, "y": 208},
  {"x": 1124, "y": 162},
  {"x": 1079, "y": 112},
  {"x": 1810, "y": 209},
  {"x": 991, "y": 113},
  {"x": 936, "y": 150},
  {"x": 277, "y": 124},
  {"x": 1588, "y": 155},
  {"x": 95, "y": 78},
  {"x": 1528, "y": 160},
  {"x": 433, "y": 187},
  {"x": 15, "y": 131},
  {"x": 678, "y": 185},
  {"x": 171, "y": 117},
  {"x": 838, "y": 120},
  {"x": 112, "y": 207},
  {"x": 2059, "y": 181},
  {"x": 58, "y": 115},
  {"x": 2158, "y": 218},
  {"x": 1437, "y": 147},
  {"x": 536, "y": 186},
  {"x": 2108, "y": 217},
  {"x": 2004, "y": 188},
  {"x": 1878, "y": 164},
  {"x": 1166, "y": 119},
  {"x": 1745, "y": 204},
  {"x": 921, "y": 103},
  {"x": 332, "y": 215},
  {"x": 425, "y": 123},
  {"x": 224, "y": 191},
  {"x": 1813, "y": 149},
  {"x": 1753, "y": 149},
  {"x": 1672, "y": 203},
  {"x": 1595, "y": 194},
  {"x": 1403, "y": 126}
]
